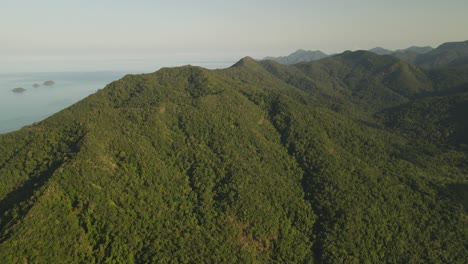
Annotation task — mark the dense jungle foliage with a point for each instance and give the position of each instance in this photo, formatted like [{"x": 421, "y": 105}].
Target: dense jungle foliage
[{"x": 356, "y": 158}]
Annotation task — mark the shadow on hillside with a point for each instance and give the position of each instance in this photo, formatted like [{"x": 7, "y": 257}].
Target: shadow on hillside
[
  {"x": 17, "y": 203},
  {"x": 457, "y": 193}
]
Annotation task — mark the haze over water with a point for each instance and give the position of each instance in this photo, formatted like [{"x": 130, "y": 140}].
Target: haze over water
[
  {"x": 35, "y": 104},
  {"x": 129, "y": 36}
]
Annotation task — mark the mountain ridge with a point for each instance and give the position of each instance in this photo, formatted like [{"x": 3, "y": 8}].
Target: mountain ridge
[
  {"x": 448, "y": 54},
  {"x": 299, "y": 56},
  {"x": 261, "y": 162}
]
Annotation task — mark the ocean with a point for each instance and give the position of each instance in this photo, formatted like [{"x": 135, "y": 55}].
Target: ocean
[{"x": 35, "y": 104}]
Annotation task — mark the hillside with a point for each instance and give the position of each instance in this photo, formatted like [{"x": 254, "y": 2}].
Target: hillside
[
  {"x": 447, "y": 54},
  {"x": 371, "y": 82},
  {"x": 450, "y": 54},
  {"x": 259, "y": 162},
  {"x": 411, "y": 54},
  {"x": 438, "y": 119}
]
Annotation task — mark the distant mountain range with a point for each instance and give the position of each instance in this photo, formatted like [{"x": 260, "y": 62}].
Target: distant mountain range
[{"x": 447, "y": 54}]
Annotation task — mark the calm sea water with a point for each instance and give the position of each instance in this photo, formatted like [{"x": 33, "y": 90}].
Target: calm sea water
[{"x": 36, "y": 104}]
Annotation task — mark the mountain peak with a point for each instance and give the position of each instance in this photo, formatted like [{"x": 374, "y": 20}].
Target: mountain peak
[
  {"x": 299, "y": 51},
  {"x": 246, "y": 61}
]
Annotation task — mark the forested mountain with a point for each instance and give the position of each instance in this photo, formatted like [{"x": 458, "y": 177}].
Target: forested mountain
[
  {"x": 447, "y": 54},
  {"x": 404, "y": 54},
  {"x": 450, "y": 54},
  {"x": 410, "y": 54},
  {"x": 355, "y": 158},
  {"x": 299, "y": 56},
  {"x": 416, "y": 49},
  {"x": 438, "y": 119}
]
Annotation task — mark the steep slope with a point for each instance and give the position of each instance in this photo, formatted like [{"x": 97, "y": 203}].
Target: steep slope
[
  {"x": 331, "y": 97},
  {"x": 438, "y": 119},
  {"x": 245, "y": 164},
  {"x": 355, "y": 83},
  {"x": 370, "y": 81},
  {"x": 407, "y": 56},
  {"x": 171, "y": 166},
  {"x": 299, "y": 56},
  {"x": 446, "y": 55},
  {"x": 449, "y": 80}
]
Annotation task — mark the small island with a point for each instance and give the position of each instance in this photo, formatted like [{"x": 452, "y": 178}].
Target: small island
[
  {"x": 19, "y": 90},
  {"x": 36, "y": 85},
  {"x": 49, "y": 83}
]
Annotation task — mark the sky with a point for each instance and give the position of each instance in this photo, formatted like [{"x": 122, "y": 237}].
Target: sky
[{"x": 133, "y": 35}]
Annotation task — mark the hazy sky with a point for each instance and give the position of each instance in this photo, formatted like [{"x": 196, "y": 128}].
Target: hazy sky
[{"x": 63, "y": 35}]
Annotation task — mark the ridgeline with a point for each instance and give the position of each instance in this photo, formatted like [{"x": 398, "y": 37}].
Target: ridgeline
[{"x": 355, "y": 158}]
